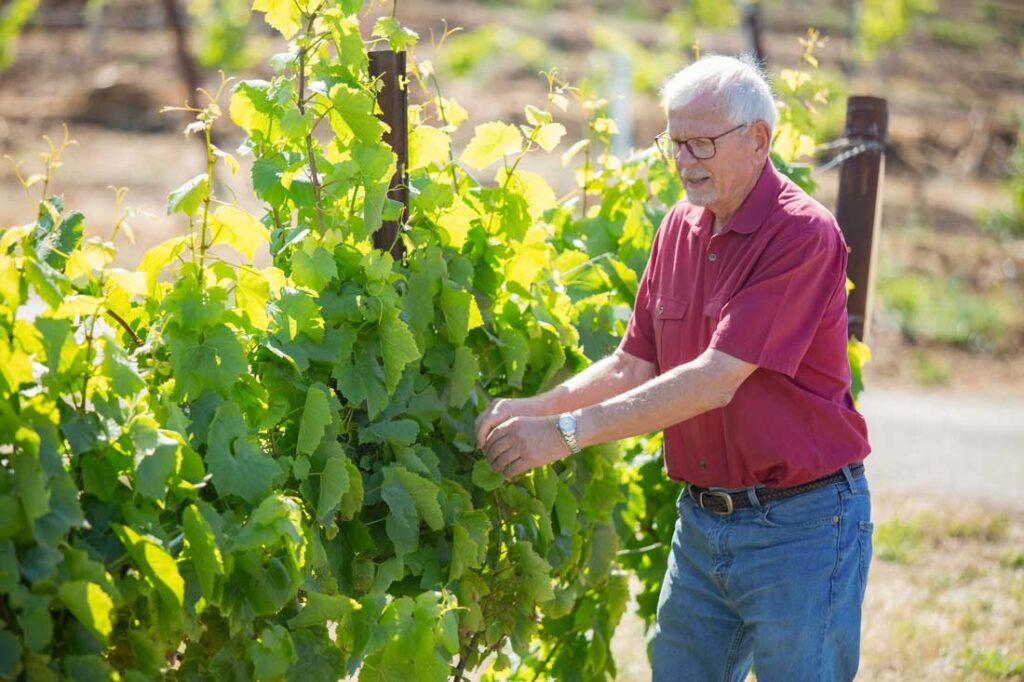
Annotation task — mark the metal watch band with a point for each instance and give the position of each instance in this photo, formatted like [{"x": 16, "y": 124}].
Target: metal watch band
[{"x": 568, "y": 434}]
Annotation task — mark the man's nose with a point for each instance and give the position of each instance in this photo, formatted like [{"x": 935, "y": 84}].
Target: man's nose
[{"x": 684, "y": 159}]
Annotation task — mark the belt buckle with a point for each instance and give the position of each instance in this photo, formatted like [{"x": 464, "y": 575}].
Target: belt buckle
[{"x": 716, "y": 493}]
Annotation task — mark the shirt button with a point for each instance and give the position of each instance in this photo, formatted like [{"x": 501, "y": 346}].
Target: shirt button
[
  {"x": 661, "y": 309},
  {"x": 712, "y": 257}
]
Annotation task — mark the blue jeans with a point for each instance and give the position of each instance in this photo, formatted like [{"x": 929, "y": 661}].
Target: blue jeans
[{"x": 778, "y": 586}]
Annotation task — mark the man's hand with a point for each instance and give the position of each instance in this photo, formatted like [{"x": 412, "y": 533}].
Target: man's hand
[
  {"x": 524, "y": 443},
  {"x": 501, "y": 411}
]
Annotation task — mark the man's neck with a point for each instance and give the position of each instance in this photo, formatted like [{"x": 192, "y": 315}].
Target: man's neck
[{"x": 725, "y": 214}]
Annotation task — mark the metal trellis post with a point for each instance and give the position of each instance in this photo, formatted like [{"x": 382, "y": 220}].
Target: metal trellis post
[
  {"x": 394, "y": 101},
  {"x": 859, "y": 204}
]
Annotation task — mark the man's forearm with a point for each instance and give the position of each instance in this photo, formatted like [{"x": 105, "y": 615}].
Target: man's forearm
[
  {"x": 676, "y": 396},
  {"x": 602, "y": 380}
]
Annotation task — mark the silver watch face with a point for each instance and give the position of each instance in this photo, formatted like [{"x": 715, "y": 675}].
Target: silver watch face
[{"x": 566, "y": 423}]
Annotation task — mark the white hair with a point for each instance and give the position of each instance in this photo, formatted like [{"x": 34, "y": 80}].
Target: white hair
[{"x": 741, "y": 82}]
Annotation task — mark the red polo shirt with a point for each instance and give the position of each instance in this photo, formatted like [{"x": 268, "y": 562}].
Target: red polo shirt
[{"x": 769, "y": 289}]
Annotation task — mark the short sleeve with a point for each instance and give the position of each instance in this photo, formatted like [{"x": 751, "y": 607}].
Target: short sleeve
[
  {"x": 638, "y": 340},
  {"x": 773, "y": 319}
]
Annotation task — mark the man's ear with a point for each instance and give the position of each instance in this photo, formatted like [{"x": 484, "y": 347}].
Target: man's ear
[{"x": 762, "y": 135}]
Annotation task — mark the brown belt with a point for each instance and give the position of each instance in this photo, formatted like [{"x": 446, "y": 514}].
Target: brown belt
[{"x": 724, "y": 503}]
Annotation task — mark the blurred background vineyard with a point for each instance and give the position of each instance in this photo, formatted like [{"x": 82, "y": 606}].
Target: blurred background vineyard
[
  {"x": 950, "y": 286},
  {"x": 949, "y": 307}
]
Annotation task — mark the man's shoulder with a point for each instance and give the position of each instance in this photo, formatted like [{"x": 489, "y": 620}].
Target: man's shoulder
[{"x": 801, "y": 217}]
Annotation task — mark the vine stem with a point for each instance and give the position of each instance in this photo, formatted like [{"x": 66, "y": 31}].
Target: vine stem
[
  {"x": 464, "y": 656},
  {"x": 206, "y": 202},
  {"x": 124, "y": 325},
  {"x": 314, "y": 174}
]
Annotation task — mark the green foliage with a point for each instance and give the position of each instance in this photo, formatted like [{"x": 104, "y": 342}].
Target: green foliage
[
  {"x": 993, "y": 665},
  {"x": 881, "y": 22},
  {"x": 899, "y": 540},
  {"x": 213, "y": 469},
  {"x": 944, "y": 310},
  {"x": 13, "y": 16},
  {"x": 1010, "y": 223}
]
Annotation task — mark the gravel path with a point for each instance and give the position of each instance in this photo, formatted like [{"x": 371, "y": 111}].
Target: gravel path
[{"x": 935, "y": 443}]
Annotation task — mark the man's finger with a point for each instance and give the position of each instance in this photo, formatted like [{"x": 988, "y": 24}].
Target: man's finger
[
  {"x": 488, "y": 420},
  {"x": 503, "y": 459},
  {"x": 502, "y": 452},
  {"x": 516, "y": 467}
]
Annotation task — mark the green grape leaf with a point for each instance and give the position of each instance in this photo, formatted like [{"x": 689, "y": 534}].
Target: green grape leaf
[
  {"x": 484, "y": 477},
  {"x": 91, "y": 605},
  {"x": 401, "y": 432},
  {"x": 533, "y": 574},
  {"x": 410, "y": 497},
  {"x": 549, "y": 135},
  {"x": 400, "y": 38},
  {"x": 203, "y": 550},
  {"x": 10, "y": 575},
  {"x": 604, "y": 544},
  {"x": 236, "y": 462},
  {"x": 155, "y": 563},
  {"x": 54, "y": 245},
  {"x": 322, "y": 608},
  {"x": 186, "y": 199},
  {"x": 316, "y": 416},
  {"x": 352, "y": 500},
  {"x": 157, "y": 456},
  {"x": 44, "y": 280},
  {"x": 363, "y": 380},
  {"x": 10, "y": 654},
  {"x": 334, "y": 484},
  {"x": 273, "y": 652},
  {"x": 398, "y": 348},
  {"x": 490, "y": 143},
  {"x": 515, "y": 351},
  {"x": 469, "y": 543},
  {"x": 465, "y": 373},
  {"x": 313, "y": 267},
  {"x": 266, "y": 181},
  {"x": 283, "y": 15},
  {"x": 124, "y": 376},
  {"x": 239, "y": 230},
  {"x": 159, "y": 257},
  {"x": 34, "y": 618},
  {"x": 532, "y": 187},
  {"x": 28, "y": 477},
  {"x": 252, "y": 295},
  {"x": 211, "y": 360},
  {"x": 461, "y": 313},
  {"x": 427, "y": 146},
  {"x": 356, "y": 108}
]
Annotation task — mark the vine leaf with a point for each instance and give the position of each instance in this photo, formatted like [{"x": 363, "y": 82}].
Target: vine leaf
[
  {"x": 186, "y": 199},
  {"x": 316, "y": 416},
  {"x": 490, "y": 143},
  {"x": 91, "y": 605}
]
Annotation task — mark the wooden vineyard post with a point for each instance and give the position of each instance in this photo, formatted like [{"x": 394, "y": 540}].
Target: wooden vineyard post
[
  {"x": 859, "y": 204},
  {"x": 753, "y": 20},
  {"x": 394, "y": 101}
]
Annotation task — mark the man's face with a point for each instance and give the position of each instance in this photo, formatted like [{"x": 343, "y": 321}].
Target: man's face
[{"x": 723, "y": 181}]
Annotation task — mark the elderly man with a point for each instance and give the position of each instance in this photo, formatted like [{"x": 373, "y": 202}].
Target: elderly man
[{"x": 736, "y": 348}]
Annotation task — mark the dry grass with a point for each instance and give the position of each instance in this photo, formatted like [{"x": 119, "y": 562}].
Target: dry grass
[{"x": 945, "y": 596}]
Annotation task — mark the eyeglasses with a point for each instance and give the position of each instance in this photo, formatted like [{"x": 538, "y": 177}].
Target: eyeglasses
[{"x": 702, "y": 148}]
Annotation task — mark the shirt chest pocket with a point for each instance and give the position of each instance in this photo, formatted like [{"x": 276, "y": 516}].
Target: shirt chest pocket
[{"x": 670, "y": 335}]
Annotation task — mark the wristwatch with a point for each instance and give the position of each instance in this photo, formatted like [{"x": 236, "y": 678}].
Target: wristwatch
[{"x": 567, "y": 427}]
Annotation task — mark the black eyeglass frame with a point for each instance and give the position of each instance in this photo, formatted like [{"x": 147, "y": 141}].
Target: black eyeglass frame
[{"x": 679, "y": 144}]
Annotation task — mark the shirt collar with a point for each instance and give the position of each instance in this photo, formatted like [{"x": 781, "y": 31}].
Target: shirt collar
[{"x": 752, "y": 212}]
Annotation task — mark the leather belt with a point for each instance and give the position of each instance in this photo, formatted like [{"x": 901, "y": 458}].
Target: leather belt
[{"x": 724, "y": 503}]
